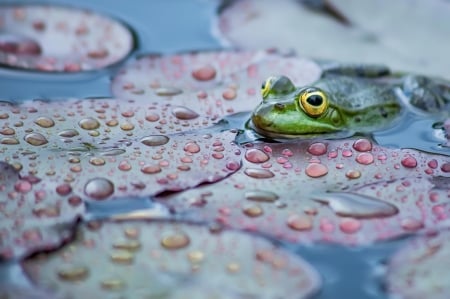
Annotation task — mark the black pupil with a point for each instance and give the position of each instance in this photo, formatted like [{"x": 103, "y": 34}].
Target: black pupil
[
  {"x": 315, "y": 100},
  {"x": 263, "y": 85}
]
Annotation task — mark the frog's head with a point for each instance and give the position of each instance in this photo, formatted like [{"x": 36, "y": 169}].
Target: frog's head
[{"x": 306, "y": 110}]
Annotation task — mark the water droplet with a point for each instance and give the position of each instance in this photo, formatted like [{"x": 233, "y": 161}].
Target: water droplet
[
  {"x": 23, "y": 186},
  {"x": 353, "y": 174},
  {"x": 433, "y": 164},
  {"x": 252, "y": 210},
  {"x": 44, "y": 122},
  {"x": 73, "y": 273},
  {"x": 96, "y": 161},
  {"x": 99, "y": 188},
  {"x": 204, "y": 73},
  {"x": 7, "y": 131},
  {"x": 64, "y": 189},
  {"x": 127, "y": 126},
  {"x": 261, "y": 196},
  {"x": 355, "y": 205},
  {"x": 317, "y": 149},
  {"x": 122, "y": 257},
  {"x": 233, "y": 267},
  {"x": 347, "y": 153},
  {"x": 233, "y": 165},
  {"x": 362, "y": 145},
  {"x": 68, "y": 133},
  {"x": 259, "y": 173},
  {"x": 256, "y": 156},
  {"x": 89, "y": 123},
  {"x": 152, "y": 117},
  {"x": 150, "y": 169},
  {"x": 196, "y": 256},
  {"x": 112, "y": 152},
  {"x": 112, "y": 122},
  {"x": 192, "y": 147},
  {"x": 350, "y": 226},
  {"x": 409, "y": 162},
  {"x": 411, "y": 224},
  {"x": 445, "y": 167},
  {"x": 168, "y": 91},
  {"x": 175, "y": 241},
  {"x": 130, "y": 245},
  {"x": 364, "y": 158},
  {"x": 35, "y": 139},
  {"x": 229, "y": 94},
  {"x": 316, "y": 170},
  {"x": 181, "y": 112},
  {"x": 112, "y": 284},
  {"x": 9, "y": 141},
  {"x": 297, "y": 222}
]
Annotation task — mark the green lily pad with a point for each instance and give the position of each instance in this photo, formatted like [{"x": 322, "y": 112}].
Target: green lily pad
[
  {"x": 350, "y": 192},
  {"x": 54, "y": 38},
  {"x": 170, "y": 260}
]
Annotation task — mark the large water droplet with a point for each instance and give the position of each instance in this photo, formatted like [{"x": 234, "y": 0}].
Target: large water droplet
[
  {"x": 9, "y": 140},
  {"x": 355, "y": 205},
  {"x": 155, "y": 140},
  {"x": 175, "y": 241},
  {"x": 99, "y": 188},
  {"x": 181, "y": 112},
  {"x": 316, "y": 170},
  {"x": 73, "y": 273},
  {"x": 68, "y": 133},
  {"x": 259, "y": 173},
  {"x": 36, "y": 139},
  {"x": 44, "y": 122},
  {"x": 18, "y": 45},
  {"x": 89, "y": 123},
  {"x": 256, "y": 156},
  {"x": 192, "y": 147},
  {"x": 362, "y": 145},
  {"x": 297, "y": 222},
  {"x": 204, "y": 73},
  {"x": 261, "y": 196}
]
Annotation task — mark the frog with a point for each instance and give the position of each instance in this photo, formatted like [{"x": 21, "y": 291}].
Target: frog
[{"x": 353, "y": 98}]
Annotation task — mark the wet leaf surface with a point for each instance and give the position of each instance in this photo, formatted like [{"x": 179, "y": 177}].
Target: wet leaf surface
[
  {"x": 374, "y": 34},
  {"x": 169, "y": 259},
  {"x": 60, "y": 39},
  {"x": 36, "y": 214},
  {"x": 350, "y": 192},
  {"x": 420, "y": 269},
  {"x": 213, "y": 84}
]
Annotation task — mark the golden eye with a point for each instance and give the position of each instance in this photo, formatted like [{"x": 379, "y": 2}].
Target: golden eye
[
  {"x": 313, "y": 101},
  {"x": 266, "y": 87}
]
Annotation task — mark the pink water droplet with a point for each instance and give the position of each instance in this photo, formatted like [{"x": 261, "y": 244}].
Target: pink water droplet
[
  {"x": 192, "y": 147},
  {"x": 256, "y": 156},
  {"x": 362, "y": 145},
  {"x": 433, "y": 164},
  {"x": 300, "y": 223},
  {"x": 150, "y": 169},
  {"x": 204, "y": 73},
  {"x": 350, "y": 226},
  {"x": 229, "y": 94},
  {"x": 316, "y": 170},
  {"x": 347, "y": 153},
  {"x": 445, "y": 167},
  {"x": 364, "y": 158},
  {"x": 411, "y": 224},
  {"x": 267, "y": 149},
  {"x": 259, "y": 173},
  {"x": 124, "y": 166},
  {"x": 233, "y": 165},
  {"x": 184, "y": 113},
  {"x": 409, "y": 162},
  {"x": 287, "y": 152},
  {"x": 317, "y": 149},
  {"x": 63, "y": 189},
  {"x": 23, "y": 186}
]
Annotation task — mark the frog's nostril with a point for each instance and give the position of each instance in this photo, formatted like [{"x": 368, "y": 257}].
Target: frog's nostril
[{"x": 279, "y": 106}]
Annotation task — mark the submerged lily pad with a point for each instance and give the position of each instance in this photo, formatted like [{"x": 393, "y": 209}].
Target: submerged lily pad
[
  {"x": 105, "y": 148},
  {"x": 420, "y": 269},
  {"x": 372, "y": 34},
  {"x": 36, "y": 214},
  {"x": 169, "y": 259},
  {"x": 53, "y": 38},
  {"x": 214, "y": 84},
  {"x": 351, "y": 192}
]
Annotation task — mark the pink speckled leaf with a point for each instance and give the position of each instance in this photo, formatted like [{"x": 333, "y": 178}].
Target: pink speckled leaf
[
  {"x": 169, "y": 259},
  {"x": 214, "y": 84},
  {"x": 420, "y": 269},
  {"x": 350, "y": 192},
  {"x": 105, "y": 148},
  {"x": 60, "y": 39},
  {"x": 36, "y": 214}
]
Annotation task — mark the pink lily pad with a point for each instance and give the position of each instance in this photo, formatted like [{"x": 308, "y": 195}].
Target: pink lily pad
[
  {"x": 214, "y": 84},
  {"x": 52, "y": 38},
  {"x": 350, "y": 192},
  {"x": 36, "y": 214},
  {"x": 107, "y": 148},
  {"x": 153, "y": 259},
  {"x": 420, "y": 269}
]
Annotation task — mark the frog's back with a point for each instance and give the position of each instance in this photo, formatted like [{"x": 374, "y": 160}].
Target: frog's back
[{"x": 353, "y": 94}]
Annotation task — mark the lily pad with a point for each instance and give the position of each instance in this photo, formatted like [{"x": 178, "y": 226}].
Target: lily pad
[
  {"x": 350, "y": 192},
  {"x": 36, "y": 214},
  {"x": 372, "y": 34},
  {"x": 53, "y": 38},
  {"x": 104, "y": 148},
  {"x": 420, "y": 269},
  {"x": 214, "y": 84},
  {"x": 169, "y": 259}
]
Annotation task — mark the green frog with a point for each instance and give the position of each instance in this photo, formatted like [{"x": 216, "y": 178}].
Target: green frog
[{"x": 352, "y": 99}]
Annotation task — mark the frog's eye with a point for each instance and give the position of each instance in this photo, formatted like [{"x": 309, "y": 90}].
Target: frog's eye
[
  {"x": 266, "y": 87},
  {"x": 313, "y": 101}
]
